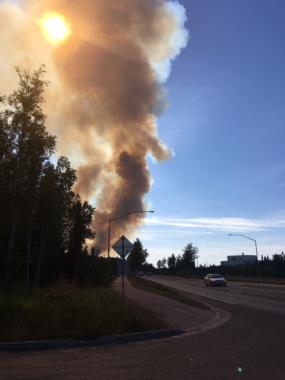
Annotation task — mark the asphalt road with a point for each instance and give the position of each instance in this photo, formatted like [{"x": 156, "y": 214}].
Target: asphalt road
[
  {"x": 249, "y": 346},
  {"x": 264, "y": 297},
  {"x": 178, "y": 315}
]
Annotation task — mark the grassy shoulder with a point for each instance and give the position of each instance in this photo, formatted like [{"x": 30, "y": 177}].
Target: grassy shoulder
[
  {"x": 66, "y": 311},
  {"x": 165, "y": 291},
  {"x": 260, "y": 280}
]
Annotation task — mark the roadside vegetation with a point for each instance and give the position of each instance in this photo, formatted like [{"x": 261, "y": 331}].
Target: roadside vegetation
[
  {"x": 50, "y": 287},
  {"x": 137, "y": 259},
  {"x": 271, "y": 270},
  {"x": 67, "y": 311},
  {"x": 44, "y": 223},
  {"x": 165, "y": 291},
  {"x": 181, "y": 264}
]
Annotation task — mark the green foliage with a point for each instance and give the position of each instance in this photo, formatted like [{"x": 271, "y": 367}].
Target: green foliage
[
  {"x": 24, "y": 147},
  {"x": 187, "y": 261},
  {"x": 67, "y": 311},
  {"x": 95, "y": 271},
  {"x": 270, "y": 270},
  {"x": 161, "y": 264},
  {"x": 182, "y": 264},
  {"x": 148, "y": 268},
  {"x": 43, "y": 223},
  {"x": 165, "y": 291},
  {"x": 138, "y": 256},
  {"x": 273, "y": 269},
  {"x": 171, "y": 263}
]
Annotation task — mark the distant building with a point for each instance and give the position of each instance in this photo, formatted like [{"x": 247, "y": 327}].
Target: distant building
[{"x": 242, "y": 259}]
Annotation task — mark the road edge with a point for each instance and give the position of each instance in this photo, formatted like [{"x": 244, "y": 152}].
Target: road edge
[
  {"x": 59, "y": 344},
  {"x": 220, "y": 317}
]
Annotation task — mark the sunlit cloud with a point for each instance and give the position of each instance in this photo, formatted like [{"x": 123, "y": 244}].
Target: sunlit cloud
[
  {"x": 179, "y": 39},
  {"x": 169, "y": 234},
  {"x": 230, "y": 224}
]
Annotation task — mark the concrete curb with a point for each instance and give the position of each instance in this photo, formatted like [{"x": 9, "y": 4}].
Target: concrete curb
[
  {"x": 59, "y": 344},
  {"x": 219, "y": 318}
]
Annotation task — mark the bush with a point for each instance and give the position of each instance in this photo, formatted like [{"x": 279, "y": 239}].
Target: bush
[{"x": 68, "y": 311}]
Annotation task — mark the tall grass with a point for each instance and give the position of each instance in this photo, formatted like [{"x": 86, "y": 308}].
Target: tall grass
[
  {"x": 67, "y": 311},
  {"x": 165, "y": 291}
]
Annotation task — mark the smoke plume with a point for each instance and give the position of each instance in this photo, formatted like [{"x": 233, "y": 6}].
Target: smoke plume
[{"x": 106, "y": 91}]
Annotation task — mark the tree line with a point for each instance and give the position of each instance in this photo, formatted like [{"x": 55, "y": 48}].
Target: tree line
[
  {"x": 43, "y": 223},
  {"x": 183, "y": 264},
  {"x": 267, "y": 267}
]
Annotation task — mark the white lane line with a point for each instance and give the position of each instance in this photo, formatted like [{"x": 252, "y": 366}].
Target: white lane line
[
  {"x": 201, "y": 295},
  {"x": 195, "y": 294}
]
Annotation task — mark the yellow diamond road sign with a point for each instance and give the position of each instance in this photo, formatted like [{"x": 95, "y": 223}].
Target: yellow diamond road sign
[{"x": 123, "y": 247}]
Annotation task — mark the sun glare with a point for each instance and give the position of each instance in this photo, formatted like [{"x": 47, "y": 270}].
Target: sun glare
[{"x": 55, "y": 27}]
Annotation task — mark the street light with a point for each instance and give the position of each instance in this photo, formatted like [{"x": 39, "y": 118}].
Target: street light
[
  {"x": 249, "y": 238},
  {"x": 119, "y": 217}
]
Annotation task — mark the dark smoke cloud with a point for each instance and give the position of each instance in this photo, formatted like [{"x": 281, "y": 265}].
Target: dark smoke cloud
[
  {"x": 88, "y": 176},
  {"x": 109, "y": 93}
]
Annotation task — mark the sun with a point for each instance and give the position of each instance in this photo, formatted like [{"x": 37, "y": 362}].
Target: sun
[{"x": 55, "y": 27}]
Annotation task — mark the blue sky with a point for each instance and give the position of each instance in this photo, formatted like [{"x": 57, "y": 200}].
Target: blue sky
[{"x": 225, "y": 123}]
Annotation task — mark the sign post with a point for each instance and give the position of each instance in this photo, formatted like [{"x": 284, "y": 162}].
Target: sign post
[{"x": 123, "y": 247}]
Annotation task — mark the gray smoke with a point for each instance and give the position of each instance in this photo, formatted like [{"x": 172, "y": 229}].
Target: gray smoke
[{"x": 106, "y": 93}]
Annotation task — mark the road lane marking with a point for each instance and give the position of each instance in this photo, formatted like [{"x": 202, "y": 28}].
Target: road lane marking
[{"x": 169, "y": 284}]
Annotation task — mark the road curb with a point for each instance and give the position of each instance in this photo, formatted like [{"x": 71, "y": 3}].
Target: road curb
[
  {"x": 220, "y": 317},
  {"x": 59, "y": 344}
]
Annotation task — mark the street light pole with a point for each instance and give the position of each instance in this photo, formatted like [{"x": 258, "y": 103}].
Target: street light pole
[
  {"x": 119, "y": 217},
  {"x": 256, "y": 251},
  {"x": 257, "y": 263}
]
